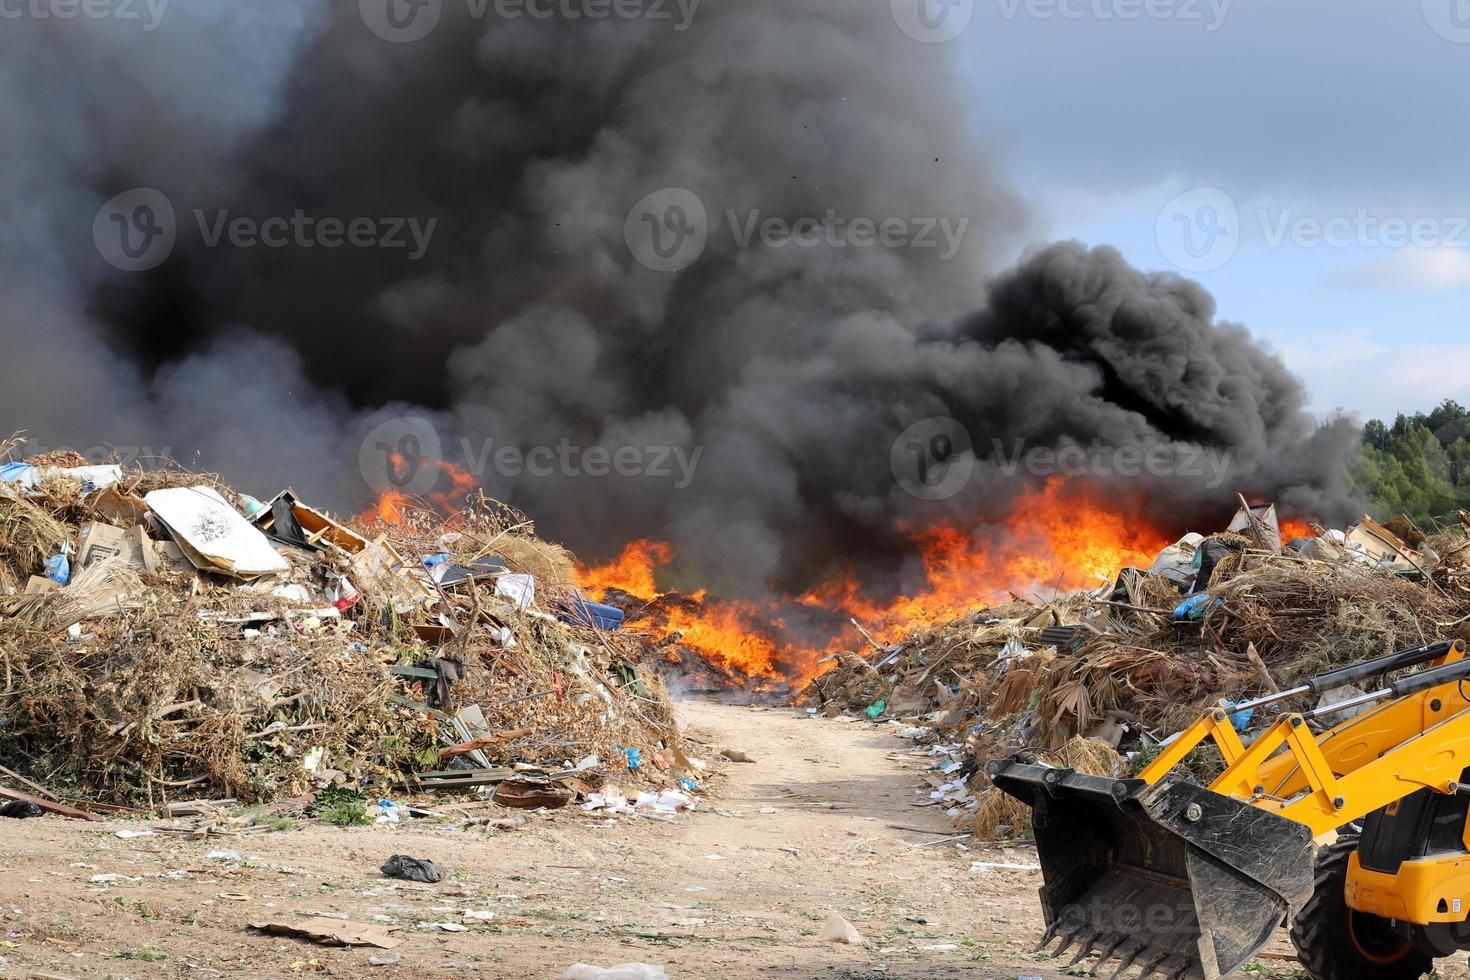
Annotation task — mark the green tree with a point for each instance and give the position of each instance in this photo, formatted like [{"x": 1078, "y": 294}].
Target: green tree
[{"x": 1418, "y": 466}]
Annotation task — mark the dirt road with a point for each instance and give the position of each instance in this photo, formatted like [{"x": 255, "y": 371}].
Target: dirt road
[{"x": 824, "y": 820}]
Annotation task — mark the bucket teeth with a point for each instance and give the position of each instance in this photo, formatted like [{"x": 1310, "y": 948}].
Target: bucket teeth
[
  {"x": 1149, "y": 963},
  {"x": 1175, "y": 967},
  {"x": 1047, "y": 937},
  {"x": 1086, "y": 946},
  {"x": 1069, "y": 935},
  {"x": 1128, "y": 953},
  {"x": 1106, "y": 953}
]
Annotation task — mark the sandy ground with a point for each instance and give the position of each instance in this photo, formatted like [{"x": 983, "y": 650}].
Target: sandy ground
[{"x": 826, "y": 819}]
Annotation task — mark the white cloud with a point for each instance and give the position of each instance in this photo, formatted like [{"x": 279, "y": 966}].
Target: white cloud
[
  {"x": 1354, "y": 371},
  {"x": 1440, "y": 268}
]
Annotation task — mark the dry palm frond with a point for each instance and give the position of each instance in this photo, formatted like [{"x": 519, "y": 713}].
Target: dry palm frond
[
  {"x": 101, "y": 589},
  {"x": 1013, "y": 694},
  {"x": 1070, "y": 702}
]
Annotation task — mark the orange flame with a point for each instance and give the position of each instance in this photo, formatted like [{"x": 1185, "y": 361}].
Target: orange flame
[
  {"x": 1056, "y": 539},
  {"x": 392, "y": 504},
  {"x": 1293, "y": 528}
]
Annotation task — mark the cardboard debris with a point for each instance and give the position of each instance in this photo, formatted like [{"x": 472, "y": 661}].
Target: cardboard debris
[
  {"x": 1260, "y": 524},
  {"x": 99, "y": 542},
  {"x": 1383, "y": 547},
  {"x": 213, "y": 535},
  {"x": 333, "y": 932},
  {"x": 118, "y": 508},
  {"x": 39, "y": 585}
]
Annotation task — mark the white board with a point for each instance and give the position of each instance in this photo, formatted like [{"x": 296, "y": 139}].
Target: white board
[{"x": 214, "y": 535}]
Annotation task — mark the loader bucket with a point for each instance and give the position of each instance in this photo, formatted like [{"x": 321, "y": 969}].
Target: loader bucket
[{"x": 1169, "y": 879}]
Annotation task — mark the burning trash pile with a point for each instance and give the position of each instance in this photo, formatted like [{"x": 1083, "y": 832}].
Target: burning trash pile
[
  {"x": 1098, "y": 680},
  {"x": 164, "y": 637}
]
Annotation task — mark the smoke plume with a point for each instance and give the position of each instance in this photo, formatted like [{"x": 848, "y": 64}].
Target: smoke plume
[{"x": 788, "y": 369}]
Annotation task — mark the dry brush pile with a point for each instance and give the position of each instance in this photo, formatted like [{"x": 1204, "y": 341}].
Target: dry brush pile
[
  {"x": 134, "y": 686},
  {"x": 1119, "y": 668}
]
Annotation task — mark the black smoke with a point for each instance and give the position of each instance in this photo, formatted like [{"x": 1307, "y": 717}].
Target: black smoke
[{"x": 790, "y": 370}]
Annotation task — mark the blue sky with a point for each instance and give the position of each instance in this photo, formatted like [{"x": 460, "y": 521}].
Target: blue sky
[{"x": 1337, "y": 131}]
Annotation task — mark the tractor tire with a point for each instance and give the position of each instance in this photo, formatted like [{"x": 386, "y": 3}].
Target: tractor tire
[{"x": 1335, "y": 942}]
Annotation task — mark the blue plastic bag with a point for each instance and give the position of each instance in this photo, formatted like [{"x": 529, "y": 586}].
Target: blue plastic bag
[
  {"x": 1240, "y": 720},
  {"x": 1195, "y": 607},
  {"x": 58, "y": 569}
]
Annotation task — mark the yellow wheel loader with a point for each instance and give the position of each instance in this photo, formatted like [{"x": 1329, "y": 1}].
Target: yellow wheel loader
[{"x": 1356, "y": 835}]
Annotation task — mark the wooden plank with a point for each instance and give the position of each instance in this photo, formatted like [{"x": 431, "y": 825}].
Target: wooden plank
[
  {"x": 49, "y": 807},
  {"x": 464, "y": 748},
  {"x": 432, "y": 712}
]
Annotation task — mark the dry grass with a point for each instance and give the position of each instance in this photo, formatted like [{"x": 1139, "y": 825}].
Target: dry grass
[
  {"x": 550, "y": 563},
  {"x": 29, "y": 535},
  {"x": 998, "y": 809}
]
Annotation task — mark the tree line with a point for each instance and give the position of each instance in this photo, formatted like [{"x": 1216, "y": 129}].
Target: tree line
[{"x": 1418, "y": 466}]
